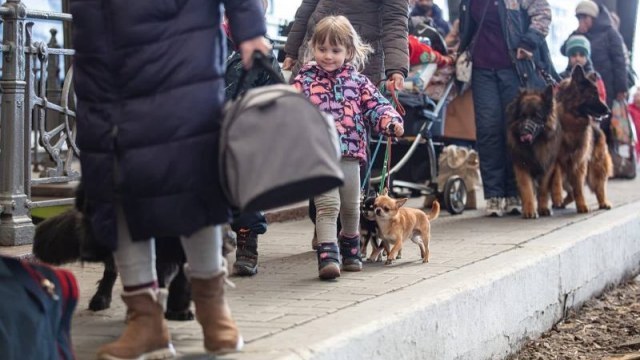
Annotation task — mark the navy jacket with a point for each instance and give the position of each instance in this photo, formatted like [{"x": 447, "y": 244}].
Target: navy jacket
[
  {"x": 150, "y": 87},
  {"x": 525, "y": 24},
  {"x": 607, "y": 54}
]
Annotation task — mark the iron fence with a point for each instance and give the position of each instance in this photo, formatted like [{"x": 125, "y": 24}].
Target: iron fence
[{"x": 37, "y": 119}]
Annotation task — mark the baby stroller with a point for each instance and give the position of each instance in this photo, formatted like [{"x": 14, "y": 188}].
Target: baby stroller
[{"x": 414, "y": 169}]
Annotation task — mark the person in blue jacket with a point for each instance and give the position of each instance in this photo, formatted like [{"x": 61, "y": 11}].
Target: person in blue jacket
[{"x": 149, "y": 78}]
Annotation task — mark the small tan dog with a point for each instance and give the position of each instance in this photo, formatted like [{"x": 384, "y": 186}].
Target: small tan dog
[{"x": 397, "y": 224}]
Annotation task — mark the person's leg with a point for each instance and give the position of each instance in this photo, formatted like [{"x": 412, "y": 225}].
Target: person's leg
[
  {"x": 146, "y": 333},
  {"x": 509, "y": 85},
  {"x": 327, "y": 208},
  {"x": 350, "y": 217},
  {"x": 247, "y": 227},
  {"x": 490, "y": 137},
  {"x": 206, "y": 268}
]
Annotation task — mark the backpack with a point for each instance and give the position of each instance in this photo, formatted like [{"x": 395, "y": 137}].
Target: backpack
[
  {"x": 36, "y": 306},
  {"x": 276, "y": 147}
]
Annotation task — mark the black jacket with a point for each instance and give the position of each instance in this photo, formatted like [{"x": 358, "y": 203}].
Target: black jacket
[
  {"x": 150, "y": 87},
  {"x": 607, "y": 54}
]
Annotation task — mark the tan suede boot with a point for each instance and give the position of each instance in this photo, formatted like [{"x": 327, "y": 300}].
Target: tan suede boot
[
  {"x": 146, "y": 335},
  {"x": 221, "y": 335}
]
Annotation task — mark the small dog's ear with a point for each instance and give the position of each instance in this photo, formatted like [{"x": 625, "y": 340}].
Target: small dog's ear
[
  {"x": 400, "y": 202},
  {"x": 385, "y": 192}
]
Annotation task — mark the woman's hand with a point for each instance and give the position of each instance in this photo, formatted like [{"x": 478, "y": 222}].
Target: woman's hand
[
  {"x": 288, "y": 63},
  {"x": 396, "y": 80},
  {"x": 248, "y": 47}
]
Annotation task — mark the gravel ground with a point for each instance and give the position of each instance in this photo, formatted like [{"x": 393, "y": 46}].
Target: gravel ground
[{"x": 604, "y": 328}]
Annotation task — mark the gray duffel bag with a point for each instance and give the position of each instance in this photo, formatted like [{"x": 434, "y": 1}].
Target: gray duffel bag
[{"x": 276, "y": 148}]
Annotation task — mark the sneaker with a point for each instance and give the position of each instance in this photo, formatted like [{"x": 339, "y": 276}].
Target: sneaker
[
  {"x": 246, "y": 253},
  {"x": 350, "y": 251},
  {"x": 328, "y": 261},
  {"x": 513, "y": 205},
  {"x": 494, "y": 207}
]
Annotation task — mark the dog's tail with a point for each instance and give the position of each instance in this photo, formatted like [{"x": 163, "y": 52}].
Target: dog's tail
[
  {"x": 56, "y": 240},
  {"x": 435, "y": 210}
]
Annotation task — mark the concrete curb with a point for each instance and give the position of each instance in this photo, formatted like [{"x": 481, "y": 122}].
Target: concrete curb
[{"x": 482, "y": 311}]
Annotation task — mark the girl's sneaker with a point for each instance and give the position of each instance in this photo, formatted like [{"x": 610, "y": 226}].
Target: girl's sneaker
[
  {"x": 350, "y": 250},
  {"x": 328, "y": 261}
]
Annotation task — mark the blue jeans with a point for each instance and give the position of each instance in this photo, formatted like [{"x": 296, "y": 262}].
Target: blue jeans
[
  {"x": 493, "y": 90},
  {"x": 254, "y": 221}
]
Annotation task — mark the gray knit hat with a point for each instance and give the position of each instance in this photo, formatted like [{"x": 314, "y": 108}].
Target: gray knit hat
[
  {"x": 587, "y": 7},
  {"x": 578, "y": 43}
]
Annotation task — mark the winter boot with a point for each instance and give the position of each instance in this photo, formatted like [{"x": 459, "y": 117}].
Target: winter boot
[
  {"x": 350, "y": 251},
  {"x": 146, "y": 335},
  {"x": 328, "y": 261},
  {"x": 221, "y": 335},
  {"x": 246, "y": 254}
]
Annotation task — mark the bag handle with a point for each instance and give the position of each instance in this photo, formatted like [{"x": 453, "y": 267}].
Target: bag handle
[
  {"x": 472, "y": 45},
  {"x": 260, "y": 62}
]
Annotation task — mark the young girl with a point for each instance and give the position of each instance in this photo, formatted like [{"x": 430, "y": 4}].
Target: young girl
[{"x": 333, "y": 83}]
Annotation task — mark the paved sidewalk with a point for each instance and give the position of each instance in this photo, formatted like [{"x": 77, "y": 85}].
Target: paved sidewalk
[{"x": 286, "y": 294}]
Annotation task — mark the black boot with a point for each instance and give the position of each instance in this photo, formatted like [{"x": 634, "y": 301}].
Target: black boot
[
  {"x": 246, "y": 254},
  {"x": 350, "y": 251}
]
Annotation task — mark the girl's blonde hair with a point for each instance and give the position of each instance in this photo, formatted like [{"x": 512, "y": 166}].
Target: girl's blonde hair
[{"x": 338, "y": 31}]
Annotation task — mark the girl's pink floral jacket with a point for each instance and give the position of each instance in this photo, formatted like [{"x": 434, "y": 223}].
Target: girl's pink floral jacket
[{"x": 352, "y": 100}]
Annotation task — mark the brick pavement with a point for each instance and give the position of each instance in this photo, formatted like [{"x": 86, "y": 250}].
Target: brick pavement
[{"x": 286, "y": 293}]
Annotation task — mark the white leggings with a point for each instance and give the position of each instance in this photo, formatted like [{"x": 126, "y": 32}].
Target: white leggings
[
  {"x": 136, "y": 260},
  {"x": 344, "y": 201}
]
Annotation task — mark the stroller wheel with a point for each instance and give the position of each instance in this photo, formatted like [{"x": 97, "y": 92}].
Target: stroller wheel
[{"x": 454, "y": 195}]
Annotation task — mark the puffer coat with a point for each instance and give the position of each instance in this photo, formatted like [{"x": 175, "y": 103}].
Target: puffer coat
[
  {"x": 380, "y": 23},
  {"x": 150, "y": 87},
  {"x": 607, "y": 54}
]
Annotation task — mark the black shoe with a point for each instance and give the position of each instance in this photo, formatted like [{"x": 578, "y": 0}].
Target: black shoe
[
  {"x": 328, "y": 261},
  {"x": 246, "y": 254},
  {"x": 350, "y": 251}
]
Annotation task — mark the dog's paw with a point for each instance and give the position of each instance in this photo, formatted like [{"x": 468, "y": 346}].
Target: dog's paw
[
  {"x": 606, "y": 206},
  {"x": 545, "y": 212},
  {"x": 558, "y": 206},
  {"x": 424, "y": 261},
  {"x": 530, "y": 214},
  {"x": 582, "y": 209},
  {"x": 99, "y": 302},
  {"x": 181, "y": 315},
  {"x": 390, "y": 262}
]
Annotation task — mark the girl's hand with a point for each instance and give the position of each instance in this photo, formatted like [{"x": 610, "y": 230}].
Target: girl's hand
[
  {"x": 395, "y": 130},
  {"x": 288, "y": 63},
  {"x": 248, "y": 47},
  {"x": 396, "y": 80}
]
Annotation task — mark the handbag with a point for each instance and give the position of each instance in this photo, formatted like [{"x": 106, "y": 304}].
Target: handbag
[
  {"x": 36, "y": 308},
  {"x": 276, "y": 147},
  {"x": 464, "y": 62},
  {"x": 622, "y": 149}
]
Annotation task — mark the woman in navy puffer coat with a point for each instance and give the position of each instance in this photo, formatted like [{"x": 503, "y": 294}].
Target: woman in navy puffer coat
[{"x": 150, "y": 87}]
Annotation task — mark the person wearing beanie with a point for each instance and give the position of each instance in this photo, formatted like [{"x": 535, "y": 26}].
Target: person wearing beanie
[
  {"x": 588, "y": 8},
  {"x": 578, "y": 49},
  {"x": 607, "y": 53}
]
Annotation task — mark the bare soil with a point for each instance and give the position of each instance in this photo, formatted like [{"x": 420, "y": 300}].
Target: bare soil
[{"x": 604, "y": 328}]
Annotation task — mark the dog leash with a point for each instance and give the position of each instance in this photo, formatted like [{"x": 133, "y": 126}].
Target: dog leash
[{"x": 370, "y": 167}]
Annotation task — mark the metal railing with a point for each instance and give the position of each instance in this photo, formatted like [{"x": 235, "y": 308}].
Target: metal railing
[{"x": 37, "y": 119}]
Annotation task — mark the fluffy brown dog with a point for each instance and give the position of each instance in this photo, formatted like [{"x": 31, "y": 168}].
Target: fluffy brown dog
[
  {"x": 583, "y": 155},
  {"x": 533, "y": 136},
  {"x": 397, "y": 224}
]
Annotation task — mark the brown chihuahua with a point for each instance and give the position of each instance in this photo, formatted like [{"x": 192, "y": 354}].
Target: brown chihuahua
[{"x": 397, "y": 224}]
